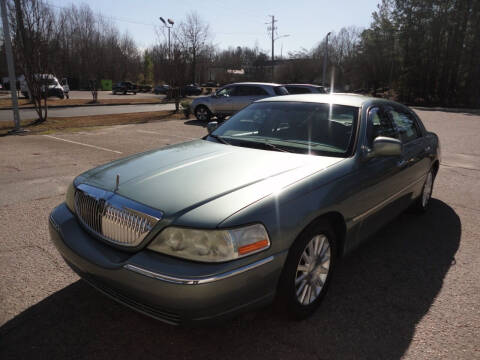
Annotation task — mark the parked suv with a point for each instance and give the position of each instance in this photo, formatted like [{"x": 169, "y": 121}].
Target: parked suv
[
  {"x": 232, "y": 98},
  {"x": 305, "y": 89},
  {"x": 125, "y": 87}
]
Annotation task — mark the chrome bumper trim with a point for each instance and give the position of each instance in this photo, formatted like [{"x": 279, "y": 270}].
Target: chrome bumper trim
[{"x": 197, "y": 281}]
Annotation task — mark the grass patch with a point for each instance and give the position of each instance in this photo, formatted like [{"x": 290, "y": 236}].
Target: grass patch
[
  {"x": 82, "y": 123},
  {"x": 6, "y": 104}
]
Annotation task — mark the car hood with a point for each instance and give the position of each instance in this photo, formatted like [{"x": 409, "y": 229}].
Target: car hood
[{"x": 179, "y": 178}]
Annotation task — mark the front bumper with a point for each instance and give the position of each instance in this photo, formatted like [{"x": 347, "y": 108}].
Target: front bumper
[{"x": 172, "y": 290}]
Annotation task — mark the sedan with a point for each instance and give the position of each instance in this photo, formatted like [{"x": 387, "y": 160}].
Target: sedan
[{"x": 261, "y": 209}]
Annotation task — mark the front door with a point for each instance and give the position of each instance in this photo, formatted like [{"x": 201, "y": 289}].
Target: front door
[
  {"x": 379, "y": 179},
  {"x": 222, "y": 100}
]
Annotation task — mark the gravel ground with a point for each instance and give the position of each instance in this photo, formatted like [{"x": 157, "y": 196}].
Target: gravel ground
[{"x": 413, "y": 291}]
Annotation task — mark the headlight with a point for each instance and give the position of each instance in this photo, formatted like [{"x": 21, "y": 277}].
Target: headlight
[
  {"x": 70, "y": 198},
  {"x": 211, "y": 245}
]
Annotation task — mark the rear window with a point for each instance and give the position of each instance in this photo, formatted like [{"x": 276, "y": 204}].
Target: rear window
[{"x": 280, "y": 90}]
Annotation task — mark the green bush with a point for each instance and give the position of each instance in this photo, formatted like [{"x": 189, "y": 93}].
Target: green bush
[{"x": 186, "y": 104}]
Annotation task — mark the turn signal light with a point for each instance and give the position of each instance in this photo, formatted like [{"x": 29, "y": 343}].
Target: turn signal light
[{"x": 243, "y": 250}]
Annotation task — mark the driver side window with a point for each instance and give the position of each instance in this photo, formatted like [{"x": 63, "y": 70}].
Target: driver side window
[
  {"x": 225, "y": 91},
  {"x": 379, "y": 124}
]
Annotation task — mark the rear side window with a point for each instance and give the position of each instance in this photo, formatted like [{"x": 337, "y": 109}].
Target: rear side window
[
  {"x": 258, "y": 91},
  {"x": 249, "y": 90},
  {"x": 280, "y": 90},
  {"x": 405, "y": 124},
  {"x": 297, "y": 90}
]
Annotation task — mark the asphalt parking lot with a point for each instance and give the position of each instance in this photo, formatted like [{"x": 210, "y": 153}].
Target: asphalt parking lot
[{"x": 413, "y": 291}]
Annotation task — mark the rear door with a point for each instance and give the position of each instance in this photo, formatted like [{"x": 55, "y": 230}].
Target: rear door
[
  {"x": 415, "y": 161},
  {"x": 245, "y": 95}
]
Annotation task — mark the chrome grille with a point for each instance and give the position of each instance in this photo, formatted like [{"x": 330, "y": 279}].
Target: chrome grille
[{"x": 117, "y": 224}]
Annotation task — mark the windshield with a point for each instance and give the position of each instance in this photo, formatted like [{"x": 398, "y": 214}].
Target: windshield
[{"x": 307, "y": 128}]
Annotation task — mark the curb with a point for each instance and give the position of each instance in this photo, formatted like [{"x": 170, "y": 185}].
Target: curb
[{"x": 87, "y": 105}]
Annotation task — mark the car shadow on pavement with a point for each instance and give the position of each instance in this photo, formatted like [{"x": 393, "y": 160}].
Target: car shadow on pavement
[{"x": 378, "y": 296}]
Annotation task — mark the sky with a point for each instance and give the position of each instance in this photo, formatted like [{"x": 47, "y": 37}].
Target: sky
[{"x": 237, "y": 23}]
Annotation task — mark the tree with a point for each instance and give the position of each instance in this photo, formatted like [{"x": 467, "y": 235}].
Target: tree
[
  {"x": 192, "y": 37},
  {"x": 36, "y": 36}
]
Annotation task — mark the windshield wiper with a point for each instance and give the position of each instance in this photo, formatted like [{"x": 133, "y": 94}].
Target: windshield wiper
[
  {"x": 275, "y": 147},
  {"x": 219, "y": 139},
  {"x": 265, "y": 144}
]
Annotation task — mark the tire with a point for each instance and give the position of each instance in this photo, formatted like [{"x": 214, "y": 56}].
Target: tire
[
  {"x": 298, "y": 275},
  {"x": 202, "y": 113},
  {"x": 421, "y": 204}
]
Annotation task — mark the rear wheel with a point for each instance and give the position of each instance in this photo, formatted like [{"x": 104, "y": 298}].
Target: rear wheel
[
  {"x": 202, "y": 113},
  {"x": 307, "y": 272}
]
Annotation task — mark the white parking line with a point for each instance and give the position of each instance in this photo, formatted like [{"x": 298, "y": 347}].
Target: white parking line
[
  {"x": 156, "y": 132},
  {"x": 88, "y": 145}
]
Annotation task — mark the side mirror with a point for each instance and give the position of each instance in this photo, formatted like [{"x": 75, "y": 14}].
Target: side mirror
[
  {"x": 385, "y": 146},
  {"x": 211, "y": 126}
]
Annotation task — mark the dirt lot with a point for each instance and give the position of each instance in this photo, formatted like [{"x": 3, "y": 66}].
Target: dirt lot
[{"x": 412, "y": 292}]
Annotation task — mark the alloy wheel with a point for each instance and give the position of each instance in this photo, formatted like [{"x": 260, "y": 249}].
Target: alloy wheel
[
  {"x": 202, "y": 113},
  {"x": 312, "y": 269},
  {"x": 427, "y": 189}
]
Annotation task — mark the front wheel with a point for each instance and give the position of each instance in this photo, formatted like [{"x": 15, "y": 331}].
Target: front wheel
[
  {"x": 202, "y": 113},
  {"x": 421, "y": 204},
  {"x": 307, "y": 272}
]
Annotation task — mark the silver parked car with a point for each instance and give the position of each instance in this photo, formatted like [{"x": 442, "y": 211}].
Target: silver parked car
[
  {"x": 263, "y": 207},
  {"x": 232, "y": 98}
]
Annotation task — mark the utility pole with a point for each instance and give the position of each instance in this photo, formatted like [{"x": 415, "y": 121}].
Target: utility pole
[
  {"x": 272, "y": 28},
  {"x": 11, "y": 67},
  {"x": 325, "y": 59}
]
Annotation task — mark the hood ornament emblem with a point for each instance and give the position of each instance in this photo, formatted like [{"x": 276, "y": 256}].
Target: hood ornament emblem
[{"x": 117, "y": 181}]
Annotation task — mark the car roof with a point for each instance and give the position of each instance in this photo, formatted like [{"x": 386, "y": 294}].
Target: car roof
[
  {"x": 255, "y": 83},
  {"x": 334, "y": 98},
  {"x": 304, "y": 85}
]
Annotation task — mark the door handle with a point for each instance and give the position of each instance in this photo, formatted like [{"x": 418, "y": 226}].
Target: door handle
[
  {"x": 427, "y": 148},
  {"x": 402, "y": 163}
]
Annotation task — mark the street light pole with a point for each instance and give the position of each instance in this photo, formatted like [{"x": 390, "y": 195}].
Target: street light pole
[
  {"x": 11, "y": 66},
  {"x": 171, "y": 22},
  {"x": 325, "y": 59}
]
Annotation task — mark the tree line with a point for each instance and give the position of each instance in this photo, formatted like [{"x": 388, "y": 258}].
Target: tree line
[{"x": 415, "y": 51}]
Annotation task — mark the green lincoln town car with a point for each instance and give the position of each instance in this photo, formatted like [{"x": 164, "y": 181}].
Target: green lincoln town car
[{"x": 261, "y": 209}]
